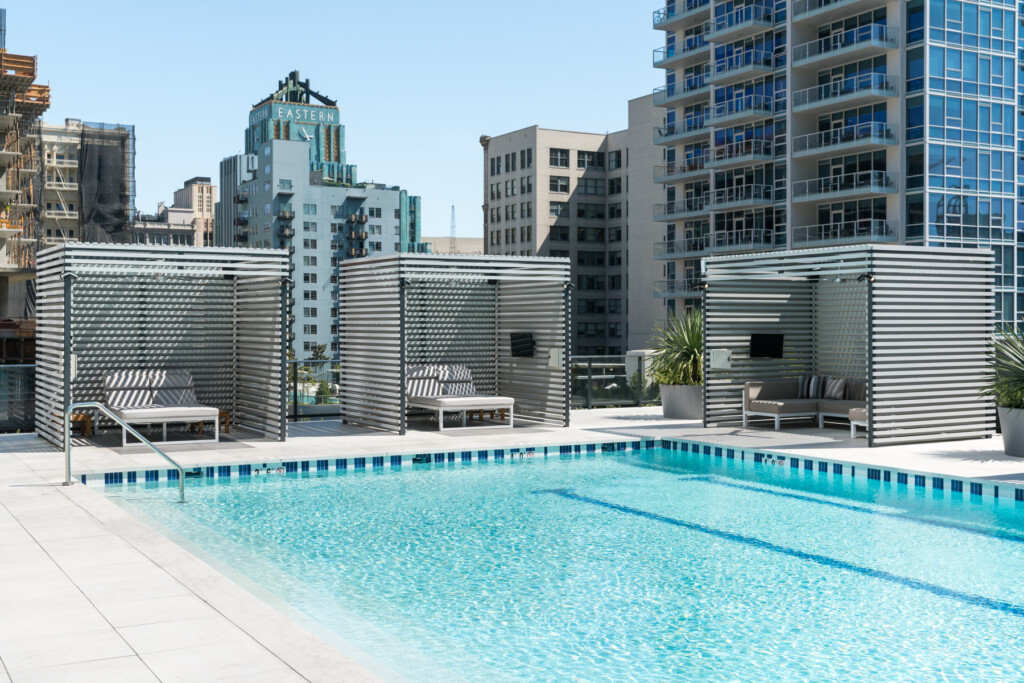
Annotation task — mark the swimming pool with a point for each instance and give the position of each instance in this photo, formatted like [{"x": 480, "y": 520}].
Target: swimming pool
[{"x": 652, "y": 564}]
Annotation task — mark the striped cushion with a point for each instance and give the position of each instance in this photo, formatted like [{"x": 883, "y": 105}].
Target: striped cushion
[
  {"x": 835, "y": 388},
  {"x": 816, "y": 386},
  {"x": 458, "y": 388},
  {"x": 427, "y": 386},
  {"x": 455, "y": 373},
  {"x": 420, "y": 371},
  {"x": 856, "y": 391},
  {"x": 803, "y": 385}
]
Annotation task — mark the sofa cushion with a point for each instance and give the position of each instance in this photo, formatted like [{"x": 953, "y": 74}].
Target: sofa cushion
[
  {"x": 816, "y": 386},
  {"x": 420, "y": 371},
  {"x": 857, "y": 391},
  {"x": 154, "y": 413},
  {"x": 465, "y": 402},
  {"x": 454, "y": 373},
  {"x": 457, "y": 388},
  {"x": 838, "y": 407},
  {"x": 804, "y": 386},
  {"x": 788, "y": 406},
  {"x": 859, "y": 414},
  {"x": 835, "y": 389},
  {"x": 426, "y": 386}
]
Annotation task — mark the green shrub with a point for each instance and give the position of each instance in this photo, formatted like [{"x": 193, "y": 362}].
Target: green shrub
[
  {"x": 678, "y": 345},
  {"x": 1006, "y": 376}
]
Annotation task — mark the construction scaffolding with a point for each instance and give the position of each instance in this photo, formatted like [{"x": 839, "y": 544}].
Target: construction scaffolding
[{"x": 106, "y": 181}]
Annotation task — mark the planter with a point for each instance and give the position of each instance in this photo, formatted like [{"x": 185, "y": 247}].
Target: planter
[
  {"x": 682, "y": 402},
  {"x": 1011, "y": 423}
]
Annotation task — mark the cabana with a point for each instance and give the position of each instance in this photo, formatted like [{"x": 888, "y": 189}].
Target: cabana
[
  {"x": 406, "y": 310},
  {"x": 217, "y": 313},
  {"x": 912, "y": 323}
]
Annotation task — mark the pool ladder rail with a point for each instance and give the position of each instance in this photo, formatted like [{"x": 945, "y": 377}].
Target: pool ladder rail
[{"x": 106, "y": 411}]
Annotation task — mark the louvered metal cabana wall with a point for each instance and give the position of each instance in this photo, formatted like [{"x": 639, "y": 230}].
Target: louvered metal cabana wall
[
  {"x": 215, "y": 312},
  {"x": 913, "y": 322},
  {"x": 411, "y": 309}
]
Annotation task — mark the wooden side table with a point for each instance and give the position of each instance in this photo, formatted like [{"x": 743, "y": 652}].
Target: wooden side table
[
  {"x": 225, "y": 422},
  {"x": 84, "y": 422}
]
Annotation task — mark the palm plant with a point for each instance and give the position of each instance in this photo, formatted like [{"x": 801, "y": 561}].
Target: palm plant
[
  {"x": 678, "y": 357},
  {"x": 1006, "y": 378}
]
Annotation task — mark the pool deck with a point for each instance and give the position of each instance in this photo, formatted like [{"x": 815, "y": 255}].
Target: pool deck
[{"x": 92, "y": 593}]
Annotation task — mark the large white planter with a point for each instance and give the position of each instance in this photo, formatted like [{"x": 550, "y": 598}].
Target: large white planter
[
  {"x": 682, "y": 402},
  {"x": 1011, "y": 423}
]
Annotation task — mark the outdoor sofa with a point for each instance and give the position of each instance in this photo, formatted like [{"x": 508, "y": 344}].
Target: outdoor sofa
[
  {"x": 156, "y": 397},
  {"x": 808, "y": 396},
  {"x": 450, "y": 389}
]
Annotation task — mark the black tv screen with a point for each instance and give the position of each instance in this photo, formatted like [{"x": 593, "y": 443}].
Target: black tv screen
[
  {"x": 522, "y": 344},
  {"x": 766, "y": 345}
]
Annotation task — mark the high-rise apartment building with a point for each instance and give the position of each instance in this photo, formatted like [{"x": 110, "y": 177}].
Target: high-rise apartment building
[
  {"x": 568, "y": 194},
  {"x": 806, "y": 123},
  {"x": 293, "y": 188},
  {"x": 88, "y": 181},
  {"x": 198, "y": 197}
]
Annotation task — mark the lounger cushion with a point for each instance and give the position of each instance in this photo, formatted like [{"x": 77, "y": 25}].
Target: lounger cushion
[
  {"x": 457, "y": 388},
  {"x": 427, "y": 386},
  {"x": 464, "y": 402},
  {"x": 454, "y": 373},
  {"x": 788, "y": 406},
  {"x": 859, "y": 414},
  {"x": 838, "y": 407},
  {"x": 835, "y": 389},
  {"x": 857, "y": 391},
  {"x": 421, "y": 371},
  {"x": 156, "y": 413}
]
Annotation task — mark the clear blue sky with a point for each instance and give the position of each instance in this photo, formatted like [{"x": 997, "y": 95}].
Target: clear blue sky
[{"x": 417, "y": 81}]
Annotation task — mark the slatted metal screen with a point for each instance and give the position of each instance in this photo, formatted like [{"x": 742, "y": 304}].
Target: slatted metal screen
[
  {"x": 411, "y": 309},
  {"x": 214, "y": 312},
  {"x": 912, "y": 322}
]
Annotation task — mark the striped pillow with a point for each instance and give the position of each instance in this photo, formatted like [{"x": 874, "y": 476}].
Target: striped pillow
[
  {"x": 835, "y": 388},
  {"x": 427, "y": 386},
  {"x": 803, "y": 385},
  {"x": 816, "y": 386}
]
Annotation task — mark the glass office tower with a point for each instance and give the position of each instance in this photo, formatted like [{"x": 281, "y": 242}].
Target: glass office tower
[{"x": 810, "y": 123}]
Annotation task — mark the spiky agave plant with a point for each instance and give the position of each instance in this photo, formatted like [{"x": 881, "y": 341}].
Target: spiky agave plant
[
  {"x": 678, "y": 357},
  {"x": 1006, "y": 360}
]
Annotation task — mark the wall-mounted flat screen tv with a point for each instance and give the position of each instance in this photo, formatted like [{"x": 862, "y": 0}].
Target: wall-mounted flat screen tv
[
  {"x": 523, "y": 344},
  {"x": 766, "y": 345}
]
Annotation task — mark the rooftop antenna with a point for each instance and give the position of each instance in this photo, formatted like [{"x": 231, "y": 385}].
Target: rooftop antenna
[{"x": 453, "y": 245}]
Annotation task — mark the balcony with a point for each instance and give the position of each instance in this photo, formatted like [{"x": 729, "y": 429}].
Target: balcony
[
  {"x": 241, "y": 220},
  {"x": 853, "y": 232},
  {"x": 674, "y": 133},
  {"x": 863, "y": 89},
  {"x": 672, "y": 289},
  {"x": 285, "y": 215},
  {"x": 693, "y": 89},
  {"x": 62, "y": 163},
  {"x": 742, "y": 22},
  {"x": 17, "y": 71},
  {"x": 689, "y": 51},
  {"x": 741, "y": 197},
  {"x": 357, "y": 235},
  {"x": 356, "y": 252},
  {"x": 845, "y": 46},
  {"x": 741, "y": 66},
  {"x": 673, "y": 17},
  {"x": 285, "y": 232},
  {"x": 285, "y": 187},
  {"x": 241, "y": 237},
  {"x": 715, "y": 243},
  {"x": 57, "y": 186},
  {"x": 824, "y": 11},
  {"x": 863, "y": 184},
  {"x": 686, "y": 208},
  {"x": 682, "y": 170},
  {"x": 241, "y": 198},
  {"x": 60, "y": 215},
  {"x": 746, "y": 109},
  {"x": 739, "y": 153},
  {"x": 7, "y": 158},
  {"x": 861, "y": 137}
]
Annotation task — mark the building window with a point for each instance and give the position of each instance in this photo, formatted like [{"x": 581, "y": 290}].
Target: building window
[
  {"x": 558, "y": 209},
  {"x": 309, "y": 329},
  {"x": 309, "y": 261},
  {"x": 309, "y": 226},
  {"x": 614, "y": 160},
  {"x": 590, "y": 211},
  {"x": 309, "y": 278},
  {"x": 588, "y": 160},
  {"x": 593, "y": 186},
  {"x": 615, "y": 186},
  {"x": 526, "y": 184},
  {"x": 559, "y": 158},
  {"x": 615, "y": 210},
  {"x": 526, "y": 158},
  {"x": 309, "y": 312},
  {"x": 558, "y": 183},
  {"x": 309, "y": 209},
  {"x": 560, "y": 233},
  {"x": 309, "y": 294},
  {"x": 308, "y": 244}
]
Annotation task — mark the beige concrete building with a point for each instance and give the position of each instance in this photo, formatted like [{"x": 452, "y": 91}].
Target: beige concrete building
[
  {"x": 568, "y": 194},
  {"x": 463, "y": 245},
  {"x": 198, "y": 197}
]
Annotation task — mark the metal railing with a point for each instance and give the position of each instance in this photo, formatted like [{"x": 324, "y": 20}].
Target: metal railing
[
  {"x": 106, "y": 411},
  {"x": 683, "y": 206},
  {"x": 869, "y": 130},
  {"x": 690, "y": 286},
  {"x": 681, "y": 8},
  {"x": 756, "y": 104},
  {"x": 741, "y": 148},
  {"x": 868, "y": 230},
  {"x": 314, "y": 389},
  {"x": 691, "y": 124},
  {"x": 743, "y": 59},
  {"x": 869, "y": 181},
  {"x": 607, "y": 381},
  {"x": 870, "y": 33},
  {"x": 734, "y": 240},
  {"x": 742, "y": 15},
  {"x": 743, "y": 193},
  {"x": 680, "y": 48},
  {"x": 691, "y": 165},
  {"x": 846, "y": 86}
]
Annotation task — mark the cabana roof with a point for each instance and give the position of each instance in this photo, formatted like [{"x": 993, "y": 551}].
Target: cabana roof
[
  {"x": 217, "y": 312},
  {"x": 408, "y": 309},
  {"x": 912, "y": 322}
]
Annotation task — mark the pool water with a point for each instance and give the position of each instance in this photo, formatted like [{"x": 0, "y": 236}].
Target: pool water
[{"x": 653, "y": 565}]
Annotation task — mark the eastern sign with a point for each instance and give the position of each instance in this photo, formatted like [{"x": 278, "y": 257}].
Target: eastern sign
[{"x": 302, "y": 113}]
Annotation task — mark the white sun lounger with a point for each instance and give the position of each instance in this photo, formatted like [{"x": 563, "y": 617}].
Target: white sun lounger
[{"x": 449, "y": 389}]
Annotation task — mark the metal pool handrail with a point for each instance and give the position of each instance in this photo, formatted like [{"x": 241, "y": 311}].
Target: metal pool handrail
[{"x": 115, "y": 418}]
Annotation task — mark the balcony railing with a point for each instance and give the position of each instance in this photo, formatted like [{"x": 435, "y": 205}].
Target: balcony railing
[
  {"x": 836, "y": 90},
  {"x": 668, "y": 289},
  {"x": 692, "y": 85},
  {"x": 828, "y": 7},
  {"x": 870, "y": 34},
  {"x": 606, "y": 381},
  {"x": 670, "y": 210},
  {"x": 286, "y": 215},
  {"x": 58, "y": 186},
  {"x": 669, "y": 53},
  {"x": 754, "y": 17},
  {"x": 864, "y": 182},
  {"x": 754, "y": 194},
  {"x": 286, "y": 232},
  {"x": 59, "y": 214},
  {"x": 757, "y": 106},
  {"x": 679, "y": 170},
  {"x": 870, "y": 230},
  {"x": 738, "y": 151},
  {"x": 241, "y": 198},
  {"x": 847, "y": 136},
  {"x": 666, "y": 15},
  {"x": 691, "y": 126},
  {"x": 241, "y": 220},
  {"x": 740, "y": 62},
  {"x": 695, "y": 247}
]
